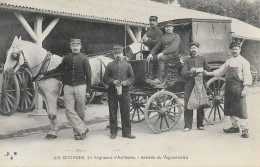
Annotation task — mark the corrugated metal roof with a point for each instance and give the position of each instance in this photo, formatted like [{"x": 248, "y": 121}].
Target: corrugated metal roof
[{"x": 133, "y": 12}]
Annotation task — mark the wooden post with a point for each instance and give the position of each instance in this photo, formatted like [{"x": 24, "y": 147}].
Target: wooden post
[
  {"x": 38, "y": 98},
  {"x": 38, "y": 36},
  {"x": 38, "y": 32},
  {"x": 138, "y": 34}
]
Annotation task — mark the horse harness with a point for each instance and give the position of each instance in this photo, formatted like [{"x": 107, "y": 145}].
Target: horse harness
[{"x": 44, "y": 64}]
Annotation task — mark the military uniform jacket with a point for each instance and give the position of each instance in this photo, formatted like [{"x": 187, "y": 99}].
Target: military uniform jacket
[
  {"x": 153, "y": 35},
  {"x": 192, "y": 62},
  {"x": 75, "y": 70},
  {"x": 121, "y": 71},
  {"x": 168, "y": 45}
]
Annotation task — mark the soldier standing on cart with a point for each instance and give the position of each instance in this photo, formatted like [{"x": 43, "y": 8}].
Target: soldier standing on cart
[
  {"x": 238, "y": 79},
  {"x": 194, "y": 62},
  {"x": 165, "y": 51},
  {"x": 119, "y": 76}
]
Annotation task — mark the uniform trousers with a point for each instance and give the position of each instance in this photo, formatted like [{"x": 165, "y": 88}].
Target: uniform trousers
[
  {"x": 124, "y": 104},
  {"x": 74, "y": 99},
  {"x": 188, "y": 118}
]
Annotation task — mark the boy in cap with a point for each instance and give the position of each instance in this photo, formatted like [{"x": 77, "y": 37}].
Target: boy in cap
[
  {"x": 119, "y": 73},
  {"x": 238, "y": 79},
  {"x": 76, "y": 77},
  {"x": 165, "y": 51},
  {"x": 189, "y": 73}
]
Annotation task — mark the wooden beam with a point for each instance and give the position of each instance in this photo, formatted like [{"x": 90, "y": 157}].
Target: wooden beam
[
  {"x": 49, "y": 28},
  {"x": 26, "y": 25},
  {"x": 130, "y": 32},
  {"x": 38, "y": 32}
]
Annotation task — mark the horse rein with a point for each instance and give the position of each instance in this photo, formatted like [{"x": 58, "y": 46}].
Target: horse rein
[{"x": 16, "y": 56}]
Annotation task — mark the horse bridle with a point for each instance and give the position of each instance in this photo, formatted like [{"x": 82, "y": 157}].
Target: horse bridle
[{"x": 16, "y": 56}]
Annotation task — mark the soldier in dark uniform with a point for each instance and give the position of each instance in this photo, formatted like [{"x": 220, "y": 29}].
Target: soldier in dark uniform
[
  {"x": 153, "y": 34},
  {"x": 76, "y": 77},
  {"x": 165, "y": 51},
  {"x": 237, "y": 81},
  {"x": 119, "y": 73},
  {"x": 189, "y": 73}
]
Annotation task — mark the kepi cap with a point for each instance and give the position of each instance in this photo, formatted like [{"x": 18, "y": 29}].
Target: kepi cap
[
  {"x": 233, "y": 44},
  {"x": 195, "y": 43},
  {"x": 169, "y": 24},
  {"x": 75, "y": 41},
  {"x": 117, "y": 49},
  {"x": 153, "y": 18}
]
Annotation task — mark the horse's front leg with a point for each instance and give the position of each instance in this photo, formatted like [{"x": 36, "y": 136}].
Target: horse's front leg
[
  {"x": 50, "y": 94},
  {"x": 52, "y": 114}
]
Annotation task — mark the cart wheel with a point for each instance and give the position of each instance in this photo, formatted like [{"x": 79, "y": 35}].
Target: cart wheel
[
  {"x": 9, "y": 95},
  {"x": 162, "y": 111},
  {"x": 215, "y": 91},
  {"x": 137, "y": 104},
  {"x": 27, "y": 90}
]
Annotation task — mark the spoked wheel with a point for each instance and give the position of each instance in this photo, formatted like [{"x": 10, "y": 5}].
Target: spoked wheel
[
  {"x": 162, "y": 111},
  {"x": 9, "y": 95},
  {"x": 215, "y": 91},
  {"x": 137, "y": 104},
  {"x": 27, "y": 90}
]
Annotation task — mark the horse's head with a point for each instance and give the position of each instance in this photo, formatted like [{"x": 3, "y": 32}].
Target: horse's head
[{"x": 14, "y": 57}]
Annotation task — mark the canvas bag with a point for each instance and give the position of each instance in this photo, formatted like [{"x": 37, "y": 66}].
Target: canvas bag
[{"x": 198, "y": 96}]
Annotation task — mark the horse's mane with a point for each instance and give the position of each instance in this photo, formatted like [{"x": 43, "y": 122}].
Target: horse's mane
[{"x": 30, "y": 44}]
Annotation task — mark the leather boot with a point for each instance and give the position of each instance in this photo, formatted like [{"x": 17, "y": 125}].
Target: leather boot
[
  {"x": 245, "y": 133},
  {"x": 160, "y": 70},
  {"x": 152, "y": 75},
  {"x": 232, "y": 130}
]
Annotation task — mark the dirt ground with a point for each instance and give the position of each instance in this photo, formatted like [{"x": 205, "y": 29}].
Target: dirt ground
[{"x": 211, "y": 147}]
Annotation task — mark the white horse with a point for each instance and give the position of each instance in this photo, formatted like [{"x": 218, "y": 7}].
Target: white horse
[{"x": 24, "y": 52}]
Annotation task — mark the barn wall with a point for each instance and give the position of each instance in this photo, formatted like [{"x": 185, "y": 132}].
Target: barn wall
[
  {"x": 9, "y": 28},
  {"x": 250, "y": 50},
  {"x": 96, "y": 37}
]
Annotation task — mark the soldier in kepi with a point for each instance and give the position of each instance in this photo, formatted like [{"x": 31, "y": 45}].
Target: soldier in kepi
[
  {"x": 77, "y": 80},
  {"x": 119, "y": 76},
  {"x": 153, "y": 34},
  {"x": 238, "y": 79},
  {"x": 194, "y": 62},
  {"x": 165, "y": 51}
]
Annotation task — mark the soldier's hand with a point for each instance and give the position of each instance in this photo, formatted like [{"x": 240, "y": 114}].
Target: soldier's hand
[
  {"x": 244, "y": 91},
  {"x": 116, "y": 82},
  {"x": 87, "y": 95},
  {"x": 124, "y": 83},
  {"x": 40, "y": 77},
  {"x": 160, "y": 55},
  {"x": 193, "y": 70},
  {"x": 144, "y": 39},
  {"x": 204, "y": 72},
  {"x": 149, "y": 58}
]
